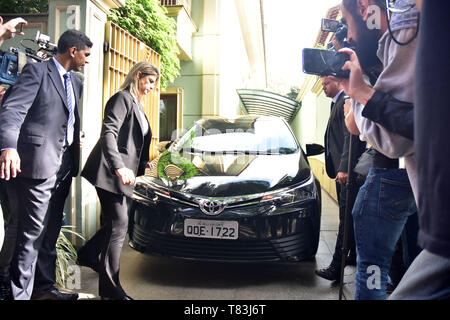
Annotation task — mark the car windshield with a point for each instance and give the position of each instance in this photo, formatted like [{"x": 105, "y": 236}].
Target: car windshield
[{"x": 242, "y": 135}]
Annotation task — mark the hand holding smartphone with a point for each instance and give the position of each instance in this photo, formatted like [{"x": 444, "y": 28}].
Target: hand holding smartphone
[{"x": 325, "y": 63}]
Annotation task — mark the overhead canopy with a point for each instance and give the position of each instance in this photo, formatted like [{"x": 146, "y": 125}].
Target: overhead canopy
[{"x": 260, "y": 102}]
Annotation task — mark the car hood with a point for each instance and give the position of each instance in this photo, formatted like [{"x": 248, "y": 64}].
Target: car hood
[{"x": 233, "y": 175}]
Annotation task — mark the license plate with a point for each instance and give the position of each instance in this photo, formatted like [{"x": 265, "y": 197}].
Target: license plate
[{"x": 211, "y": 229}]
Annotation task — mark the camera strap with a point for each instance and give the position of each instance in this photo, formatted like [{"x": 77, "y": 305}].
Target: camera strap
[{"x": 21, "y": 61}]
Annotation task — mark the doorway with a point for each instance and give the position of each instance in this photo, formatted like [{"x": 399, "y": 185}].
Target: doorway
[{"x": 170, "y": 114}]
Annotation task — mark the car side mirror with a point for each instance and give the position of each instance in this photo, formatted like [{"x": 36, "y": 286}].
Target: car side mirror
[{"x": 314, "y": 149}]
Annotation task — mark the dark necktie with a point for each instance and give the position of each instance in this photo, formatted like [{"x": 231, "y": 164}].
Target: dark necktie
[
  {"x": 70, "y": 103},
  {"x": 327, "y": 147}
]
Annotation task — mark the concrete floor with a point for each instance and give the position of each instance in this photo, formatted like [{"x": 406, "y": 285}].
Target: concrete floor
[{"x": 155, "y": 278}]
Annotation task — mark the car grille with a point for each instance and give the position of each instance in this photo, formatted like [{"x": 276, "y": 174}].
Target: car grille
[{"x": 291, "y": 248}]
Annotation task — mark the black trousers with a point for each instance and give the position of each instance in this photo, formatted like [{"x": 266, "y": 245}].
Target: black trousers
[
  {"x": 8, "y": 198},
  {"x": 108, "y": 242},
  {"x": 39, "y": 210},
  {"x": 342, "y": 194}
]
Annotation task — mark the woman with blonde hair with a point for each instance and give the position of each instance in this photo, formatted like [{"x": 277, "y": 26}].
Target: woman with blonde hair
[{"x": 121, "y": 154}]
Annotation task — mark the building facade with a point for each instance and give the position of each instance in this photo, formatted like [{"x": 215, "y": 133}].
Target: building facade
[{"x": 221, "y": 45}]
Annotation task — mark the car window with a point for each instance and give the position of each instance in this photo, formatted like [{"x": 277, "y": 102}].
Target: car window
[{"x": 259, "y": 135}]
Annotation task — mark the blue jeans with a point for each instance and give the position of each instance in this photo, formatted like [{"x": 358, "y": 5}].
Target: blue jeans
[{"x": 381, "y": 210}]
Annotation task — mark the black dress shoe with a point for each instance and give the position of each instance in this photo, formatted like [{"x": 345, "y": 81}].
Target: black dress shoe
[
  {"x": 332, "y": 273},
  {"x": 5, "y": 291},
  {"x": 54, "y": 294},
  {"x": 125, "y": 297}
]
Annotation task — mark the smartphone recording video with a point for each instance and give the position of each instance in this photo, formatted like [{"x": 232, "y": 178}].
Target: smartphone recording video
[
  {"x": 329, "y": 25},
  {"x": 324, "y": 63}
]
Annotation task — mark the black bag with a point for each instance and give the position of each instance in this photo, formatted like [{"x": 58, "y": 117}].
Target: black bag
[
  {"x": 372, "y": 158},
  {"x": 365, "y": 162}
]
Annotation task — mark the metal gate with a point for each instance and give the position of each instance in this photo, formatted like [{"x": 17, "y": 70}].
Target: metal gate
[{"x": 122, "y": 51}]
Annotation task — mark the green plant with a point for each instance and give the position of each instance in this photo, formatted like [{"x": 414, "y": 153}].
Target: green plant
[
  {"x": 66, "y": 255},
  {"x": 321, "y": 47},
  {"x": 24, "y": 6},
  {"x": 184, "y": 164},
  {"x": 147, "y": 20}
]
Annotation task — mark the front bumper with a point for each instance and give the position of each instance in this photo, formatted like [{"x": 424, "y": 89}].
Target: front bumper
[{"x": 266, "y": 232}]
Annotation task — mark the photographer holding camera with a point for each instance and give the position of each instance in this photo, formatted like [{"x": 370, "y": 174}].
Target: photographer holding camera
[
  {"x": 7, "y": 31},
  {"x": 395, "y": 42},
  {"x": 385, "y": 202}
]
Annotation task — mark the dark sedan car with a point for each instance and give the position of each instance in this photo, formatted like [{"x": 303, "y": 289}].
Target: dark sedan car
[{"x": 238, "y": 190}]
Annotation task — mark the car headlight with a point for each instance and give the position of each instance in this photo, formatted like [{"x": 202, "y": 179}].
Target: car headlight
[
  {"x": 304, "y": 192},
  {"x": 144, "y": 192}
]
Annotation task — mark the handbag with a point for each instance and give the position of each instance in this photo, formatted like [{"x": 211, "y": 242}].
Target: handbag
[
  {"x": 365, "y": 162},
  {"x": 372, "y": 158}
]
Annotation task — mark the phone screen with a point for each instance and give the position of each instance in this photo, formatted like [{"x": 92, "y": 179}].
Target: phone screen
[
  {"x": 324, "y": 62},
  {"x": 329, "y": 25},
  {"x": 316, "y": 61}
]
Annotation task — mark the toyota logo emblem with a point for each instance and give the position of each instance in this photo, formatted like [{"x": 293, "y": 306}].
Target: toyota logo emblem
[{"x": 211, "y": 208}]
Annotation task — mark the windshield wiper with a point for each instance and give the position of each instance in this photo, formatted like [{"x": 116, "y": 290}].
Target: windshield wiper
[
  {"x": 189, "y": 150},
  {"x": 228, "y": 152}
]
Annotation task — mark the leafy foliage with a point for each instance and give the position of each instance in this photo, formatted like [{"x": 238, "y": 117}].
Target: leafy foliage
[
  {"x": 66, "y": 255},
  {"x": 24, "y": 6},
  {"x": 184, "y": 164},
  {"x": 147, "y": 21}
]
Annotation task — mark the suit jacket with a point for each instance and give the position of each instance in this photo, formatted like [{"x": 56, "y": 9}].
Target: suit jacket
[
  {"x": 337, "y": 139},
  {"x": 34, "y": 118},
  {"x": 122, "y": 144}
]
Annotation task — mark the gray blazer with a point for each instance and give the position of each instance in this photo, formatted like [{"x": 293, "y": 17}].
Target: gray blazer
[
  {"x": 121, "y": 144},
  {"x": 34, "y": 117}
]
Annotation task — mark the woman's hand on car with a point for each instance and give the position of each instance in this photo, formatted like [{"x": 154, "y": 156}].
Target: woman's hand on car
[{"x": 126, "y": 176}]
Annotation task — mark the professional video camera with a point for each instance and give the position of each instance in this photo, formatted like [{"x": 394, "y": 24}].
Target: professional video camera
[
  {"x": 328, "y": 62},
  {"x": 12, "y": 61}
]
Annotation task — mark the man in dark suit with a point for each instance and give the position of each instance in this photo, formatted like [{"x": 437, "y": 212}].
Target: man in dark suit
[
  {"x": 40, "y": 147},
  {"x": 337, "y": 139}
]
